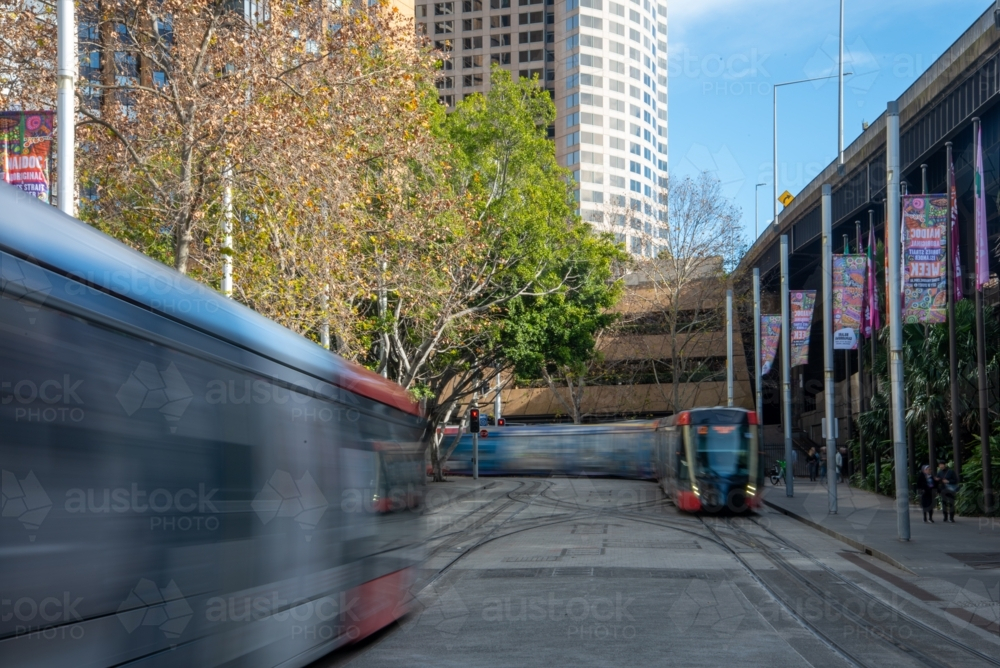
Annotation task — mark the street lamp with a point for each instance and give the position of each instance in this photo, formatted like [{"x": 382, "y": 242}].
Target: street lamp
[
  {"x": 774, "y": 202},
  {"x": 756, "y": 210}
]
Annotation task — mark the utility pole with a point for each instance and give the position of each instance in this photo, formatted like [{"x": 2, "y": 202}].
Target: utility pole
[
  {"x": 66, "y": 106},
  {"x": 756, "y": 346},
  {"x": 893, "y": 177},
  {"x": 729, "y": 347},
  {"x": 786, "y": 361},
  {"x": 828, "y": 385},
  {"x": 876, "y": 455},
  {"x": 840, "y": 99},
  {"x": 847, "y": 378},
  {"x": 956, "y": 443},
  {"x": 756, "y": 210}
]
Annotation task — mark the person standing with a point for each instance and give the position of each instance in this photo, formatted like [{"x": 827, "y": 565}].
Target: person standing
[
  {"x": 840, "y": 465},
  {"x": 947, "y": 481},
  {"x": 822, "y": 463},
  {"x": 925, "y": 487},
  {"x": 812, "y": 461}
]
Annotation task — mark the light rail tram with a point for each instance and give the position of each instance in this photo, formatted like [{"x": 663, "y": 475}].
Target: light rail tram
[{"x": 185, "y": 482}]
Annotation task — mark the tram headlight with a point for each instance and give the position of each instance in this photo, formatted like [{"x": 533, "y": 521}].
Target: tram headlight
[{"x": 751, "y": 490}]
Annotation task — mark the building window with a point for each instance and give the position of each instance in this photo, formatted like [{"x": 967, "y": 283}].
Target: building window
[
  {"x": 531, "y": 17},
  {"x": 635, "y": 168},
  {"x": 529, "y": 37},
  {"x": 444, "y": 46},
  {"x": 421, "y": 11},
  {"x": 472, "y": 43},
  {"x": 499, "y": 4},
  {"x": 573, "y": 119},
  {"x": 572, "y": 139},
  {"x": 473, "y": 80},
  {"x": 472, "y": 24},
  {"x": 591, "y": 22},
  {"x": 592, "y": 119},
  {"x": 530, "y": 56},
  {"x": 617, "y": 143},
  {"x": 498, "y": 40},
  {"x": 446, "y": 82},
  {"x": 573, "y": 22},
  {"x": 472, "y": 61},
  {"x": 444, "y": 8},
  {"x": 618, "y": 163},
  {"x": 617, "y": 181},
  {"x": 447, "y": 100},
  {"x": 500, "y": 21},
  {"x": 500, "y": 58},
  {"x": 635, "y": 149},
  {"x": 472, "y": 6}
]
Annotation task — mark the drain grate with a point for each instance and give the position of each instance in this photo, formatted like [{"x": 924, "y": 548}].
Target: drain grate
[
  {"x": 528, "y": 559},
  {"x": 651, "y": 544},
  {"x": 572, "y": 571},
  {"x": 590, "y": 528},
  {"x": 583, "y": 552},
  {"x": 978, "y": 560}
]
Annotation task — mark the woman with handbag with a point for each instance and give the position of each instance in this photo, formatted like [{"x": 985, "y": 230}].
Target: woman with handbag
[{"x": 925, "y": 487}]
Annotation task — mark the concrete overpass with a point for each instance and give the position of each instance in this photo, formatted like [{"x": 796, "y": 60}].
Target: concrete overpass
[{"x": 939, "y": 107}]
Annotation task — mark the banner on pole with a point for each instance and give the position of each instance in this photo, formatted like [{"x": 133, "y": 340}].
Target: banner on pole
[
  {"x": 925, "y": 284},
  {"x": 873, "y": 321},
  {"x": 848, "y": 300},
  {"x": 770, "y": 335},
  {"x": 26, "y": 142},
  {"x": 981, "y": 236},
  {"x": 802, "y": 303},
  {"x": 956, "y": 257}
]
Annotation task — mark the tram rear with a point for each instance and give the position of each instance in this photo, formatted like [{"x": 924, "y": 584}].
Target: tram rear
[{"x": 707, "y": 459}]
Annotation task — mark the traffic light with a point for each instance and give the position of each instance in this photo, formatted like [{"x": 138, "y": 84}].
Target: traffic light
[
  {"x": 501, "y": 422},
  {"x": 473, "y": 420}
]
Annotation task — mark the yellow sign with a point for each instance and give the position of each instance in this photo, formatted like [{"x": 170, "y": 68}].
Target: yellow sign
[{"x": 786, "y": 198}]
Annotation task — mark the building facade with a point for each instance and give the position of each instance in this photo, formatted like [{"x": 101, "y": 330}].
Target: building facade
[{"x": 605, "y": 65}]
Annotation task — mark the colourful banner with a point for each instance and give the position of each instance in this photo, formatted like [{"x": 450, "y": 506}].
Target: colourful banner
[
  {"x": 26, "y": 142},
  {"x": 981, "y": 236},
  {"x": 848, "y": 300},
  {"x": 925, "y": 285},
  {"x": 956, "y": 256},
  {"x": 770, "y": 335},
  {"x": 873, "y": 320},
  {"x": 802, "y": 302}
]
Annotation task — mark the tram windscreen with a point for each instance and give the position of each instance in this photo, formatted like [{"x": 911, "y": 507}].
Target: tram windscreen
[{"x": 721, "y": 442}]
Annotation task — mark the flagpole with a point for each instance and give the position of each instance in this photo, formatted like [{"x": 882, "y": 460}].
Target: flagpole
[
  {"x": 786, "y": 363},
  {"x": 956, "y": 444},
  {"x": 861, "y": 368},
  {"x": 66, "y": 106},
  {"x": 876, "y": 455},
  {"x": 897, "y": 412},
  {"x": 847, "y": 366},
  {"x": 981, "y": 277},
  {"x": 931, "y": 446}
]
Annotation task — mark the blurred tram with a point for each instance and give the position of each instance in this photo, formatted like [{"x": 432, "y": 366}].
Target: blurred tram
[
  {"x": 623, "y": 449},
  {"x": 185, "y": 482},
  {"x": 707, "y": 459}
]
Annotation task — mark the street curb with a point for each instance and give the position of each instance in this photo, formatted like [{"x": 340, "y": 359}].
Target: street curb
[{"x": 870, "y": 551}]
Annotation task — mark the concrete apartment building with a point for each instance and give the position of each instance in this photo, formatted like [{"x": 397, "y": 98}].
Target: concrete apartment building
[{"x": 605, "y": 65}]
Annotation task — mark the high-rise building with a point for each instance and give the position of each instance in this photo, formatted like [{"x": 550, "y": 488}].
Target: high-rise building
[{"x": 605, "y": 65}]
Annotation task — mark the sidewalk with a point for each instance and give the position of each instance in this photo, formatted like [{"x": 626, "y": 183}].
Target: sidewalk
[{"x": 867, "y": 522}]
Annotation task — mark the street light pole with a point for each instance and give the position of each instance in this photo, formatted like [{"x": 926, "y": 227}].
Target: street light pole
[
  {"x": 840, "y": 110},
  {"x": 66, "y": 106},
  {"x": 756, "y": 347},
  {"x": 898, "y": 407},
  {"x": 786, "y": 361},
  {"x": 774, "y": 96},
  {"x": 828, "y": 386}
]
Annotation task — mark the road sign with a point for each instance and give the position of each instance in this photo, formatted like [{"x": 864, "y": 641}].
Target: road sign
[{"x": 786, "y": 198}]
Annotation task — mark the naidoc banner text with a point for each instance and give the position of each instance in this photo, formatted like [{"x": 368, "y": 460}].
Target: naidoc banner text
[
  {"x": 848, "y": 299},
  {"x": 26, "y": 142},
  {"x": 802, "y": 302},
  {"x": 770, "y": 335},
  {"x": 925, "y": 285}
]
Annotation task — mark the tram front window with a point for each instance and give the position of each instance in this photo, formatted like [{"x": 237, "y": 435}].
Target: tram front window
[{"x": 720, "y": 450}]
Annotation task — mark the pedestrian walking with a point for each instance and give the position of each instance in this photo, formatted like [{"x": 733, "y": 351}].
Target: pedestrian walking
[
  {"x": 822, "y": 463},
  {"x": 947, "y": 481},
  {"x": 840, "y": 465},
  {"x": 812, "y": 460},
  {"x": 925, "y": 487}
]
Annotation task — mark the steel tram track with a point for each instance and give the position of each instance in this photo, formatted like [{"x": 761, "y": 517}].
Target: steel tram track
[
  {"x": 870, "y": 627},
  {"x": 860, "y": 591}
]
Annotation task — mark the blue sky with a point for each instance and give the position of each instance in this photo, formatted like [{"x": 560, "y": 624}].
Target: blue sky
[{"x": 725, "y": 55}]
